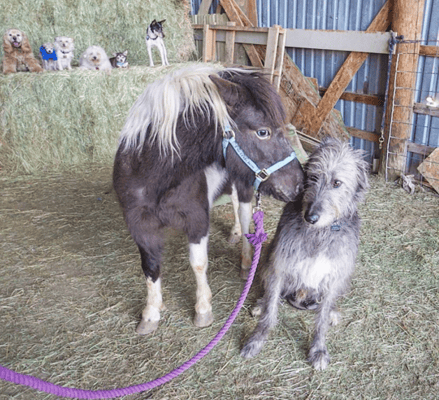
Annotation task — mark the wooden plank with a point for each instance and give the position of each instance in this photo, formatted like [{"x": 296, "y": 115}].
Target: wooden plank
[
  {"x": 242, "y": 15},
  {"x": 430, "y": 169},
  {"x": 369, "y": 99},
  {"x": 204, "y": 7},
  {"x": 252, "y": 12},
  {"x": 238, "y": 28},
  {"x": 279, "y": 59},
  {"x": 347, "y": 71},
  {"x": 230, "y": 44},
  {"x": 423, "y": 109},
  {"x": 271, "y": 51},
  {"x": 231, "y": 11},
  {"x": 366, "y": 135},
  {"x": 209, "y": 43},
  {"x": 352, "y": 41},
  {"x": 432, "y": 51},
  {"x": 420, "y": 148},
  {"x": 369, "y": 42}
]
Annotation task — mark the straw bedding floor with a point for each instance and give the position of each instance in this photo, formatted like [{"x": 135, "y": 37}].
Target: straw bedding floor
[{"x": 71, "y": 293}]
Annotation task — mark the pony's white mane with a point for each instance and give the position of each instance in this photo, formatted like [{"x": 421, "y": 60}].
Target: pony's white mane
[{"x": 188, "y": 91}]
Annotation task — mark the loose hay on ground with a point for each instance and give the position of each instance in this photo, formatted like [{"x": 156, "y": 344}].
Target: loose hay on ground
[{"x": 72, "y": 290}]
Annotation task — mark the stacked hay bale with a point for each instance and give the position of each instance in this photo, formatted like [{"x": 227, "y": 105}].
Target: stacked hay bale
[{"x": 67, "y": 119}]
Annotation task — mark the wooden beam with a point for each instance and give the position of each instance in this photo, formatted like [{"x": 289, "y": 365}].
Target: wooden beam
[
  {"x": 345, "y": 74},
  {"x": 366, "y": 42},
  {"x": 204, "y": 7},
  {"x": 252, "y": 12},
  {"x": 432, "y": 51},
  {"x": 420, "y": 148},
  {"x": 407, "y": 21},
  {"x": 366, "y": 135},
  {"x": 420, "y": 108},
  {"x": 369, "y": 99}
]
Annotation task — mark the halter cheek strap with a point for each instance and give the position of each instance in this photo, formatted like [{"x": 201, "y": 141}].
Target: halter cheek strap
[{"x": 261, "y": 175}]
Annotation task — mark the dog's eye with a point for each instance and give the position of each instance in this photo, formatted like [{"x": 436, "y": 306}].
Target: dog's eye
[
  {"x": 336, "y": 184},
  {"x": 263, "y": 133}
]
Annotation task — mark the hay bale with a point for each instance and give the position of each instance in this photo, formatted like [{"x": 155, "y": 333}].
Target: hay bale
[
  {"x": 115, "y": 25},
  {"x": 66, "y": 119}
]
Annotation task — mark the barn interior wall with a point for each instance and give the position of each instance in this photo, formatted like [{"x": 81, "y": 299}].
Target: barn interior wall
[{"x": 371, "y": 77}]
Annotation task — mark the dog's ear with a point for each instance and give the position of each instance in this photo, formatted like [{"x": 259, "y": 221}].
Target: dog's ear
[
  {"x": 125, "y": 53},
  {"x": 161, "y": 22},
  {"x": 153, "y": 22},
  {"x": 7, "y": 45},
  {"x": 25, "y": 45},
  {"x": 229, "y": 91}
]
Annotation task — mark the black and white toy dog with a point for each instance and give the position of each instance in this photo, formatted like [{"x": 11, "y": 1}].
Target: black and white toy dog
[{"x": 154, "y": 37}]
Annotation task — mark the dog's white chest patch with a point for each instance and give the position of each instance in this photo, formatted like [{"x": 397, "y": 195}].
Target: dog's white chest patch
[{"x": 313, "y": 271}]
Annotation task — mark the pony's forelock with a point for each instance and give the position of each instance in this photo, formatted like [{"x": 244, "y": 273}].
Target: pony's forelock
[{"x": 186, "y": 92}]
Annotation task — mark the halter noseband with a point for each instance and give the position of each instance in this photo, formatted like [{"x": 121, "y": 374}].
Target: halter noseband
[{"x": 261, "y": 175}]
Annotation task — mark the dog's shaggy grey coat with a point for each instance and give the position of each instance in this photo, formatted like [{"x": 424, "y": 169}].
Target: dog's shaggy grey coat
[{"x": 312, "y": 256}]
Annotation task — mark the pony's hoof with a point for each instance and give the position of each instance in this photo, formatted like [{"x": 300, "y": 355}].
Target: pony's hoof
[
  {"x": 244, "y": 273},
  {"x": 146, "y": 327},
  {"x": 234, "y": 238},
  {"x": 203, "y": 320}
]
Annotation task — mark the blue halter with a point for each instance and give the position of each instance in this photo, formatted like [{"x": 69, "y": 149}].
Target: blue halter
[{"x": 261, "y": 175}]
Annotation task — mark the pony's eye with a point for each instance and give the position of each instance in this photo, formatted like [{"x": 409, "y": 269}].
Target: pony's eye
[
  {"x": 336, "y": 184},
  {"x": 263, "y": 133}
]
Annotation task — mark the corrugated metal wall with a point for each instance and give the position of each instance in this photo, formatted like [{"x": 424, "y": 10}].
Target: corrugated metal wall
[
  {"x": 323, "y": 65},
  {"x": 426, "y": 128},
  {"x": 371, "y": 78}
]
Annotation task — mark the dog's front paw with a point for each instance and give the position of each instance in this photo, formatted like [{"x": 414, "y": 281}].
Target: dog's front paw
[
  {"x": 319, "y": 358},
  {"x": 252, "y": 348}
]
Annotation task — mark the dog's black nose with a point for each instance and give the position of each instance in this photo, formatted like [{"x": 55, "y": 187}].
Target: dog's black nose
[{"x": 312, "y": 219}]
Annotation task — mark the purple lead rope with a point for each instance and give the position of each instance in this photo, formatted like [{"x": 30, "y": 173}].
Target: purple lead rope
[{"x": 256, "y": 239}]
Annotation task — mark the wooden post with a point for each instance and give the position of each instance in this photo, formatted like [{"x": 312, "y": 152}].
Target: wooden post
[
  {"x": 230, "y": 44},
  {"x": 209, "y": 44},
  {"x": 406, "y": 21}
]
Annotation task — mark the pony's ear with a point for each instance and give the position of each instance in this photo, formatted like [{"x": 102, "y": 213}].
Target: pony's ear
[{"x": 229, "y": 91}]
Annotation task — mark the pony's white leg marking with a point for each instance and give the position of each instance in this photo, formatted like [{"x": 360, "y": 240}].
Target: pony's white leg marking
[
  {"x": 198, "y": 260},
  {"x": 245, "y": 215},
  {"x": 236, "y": 233},
  {"x": 151, "y": 313}
]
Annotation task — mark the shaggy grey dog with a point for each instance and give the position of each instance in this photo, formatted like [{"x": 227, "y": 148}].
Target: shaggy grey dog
[{"x": 312, "y": 256}]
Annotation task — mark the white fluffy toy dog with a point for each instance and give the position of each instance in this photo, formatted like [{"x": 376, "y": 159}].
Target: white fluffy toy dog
[
  {"x": 154, "y": 37},
  {"x": 95, "y": 59}
]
